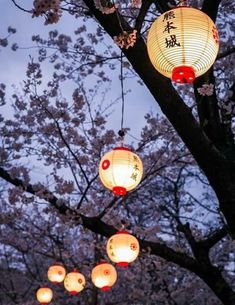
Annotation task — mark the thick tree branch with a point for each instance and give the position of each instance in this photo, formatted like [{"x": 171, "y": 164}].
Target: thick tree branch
[
  {"x": 210, "y": 7},
  {"x": 226, "y": 53},
  {"x": 143, "y": 11},
  {"x": 214, "y": 238},
  {"x": 97, "y": 226}
]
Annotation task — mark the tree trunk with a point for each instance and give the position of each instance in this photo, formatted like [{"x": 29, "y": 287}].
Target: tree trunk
[{"x": 213, "y": 278}]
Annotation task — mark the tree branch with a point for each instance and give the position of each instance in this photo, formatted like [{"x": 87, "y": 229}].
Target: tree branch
[
  {"x": 97, "y": 226},
  {"x": 143, "y": 11},
  {"x": 21, "y": 8},
  {"x": 226, "y": 53}
]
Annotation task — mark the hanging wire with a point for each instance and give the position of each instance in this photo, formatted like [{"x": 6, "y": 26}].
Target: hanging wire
[
  {"x": 122, "y": 89},
  {"x": 121, "y": 132},
  {"x": 183, "y": 3}
]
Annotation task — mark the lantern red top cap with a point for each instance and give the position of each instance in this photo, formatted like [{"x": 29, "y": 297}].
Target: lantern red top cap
[
  {"x": 122, "y": 232},
  {"x": 101, "y": 263},
  {"x": 121, "y": 148},
  {"x": 179, "y": 6},
  {"x": 75, "y": 271},
  {"x": 57, "y": 264},
  {"x": 43, "y": 287}
]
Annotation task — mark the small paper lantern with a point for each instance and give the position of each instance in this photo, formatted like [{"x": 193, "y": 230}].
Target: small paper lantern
[
  {"x": 104, "y": 276},
  {"x": 183, "y": 44},
  {"x": 122, "y": 248},
  {"x": 56, "y": 273},
  {"x": 74, "y": 282},
  {"x": 44, "y": 295},
  {"x": 120, "y": 170}
]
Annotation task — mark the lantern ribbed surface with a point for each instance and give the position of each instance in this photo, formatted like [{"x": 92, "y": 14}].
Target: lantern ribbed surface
[
  {"x": 74, "y": 282},
  {"x": 120, "y": 170},
  {"x": 44, "y": 295},
  {"x": 56, "y": 273},
  {"x": 183, "y": 44},
  {"x": 122, "y": 248},
  {"x": 104, "y": 276}
]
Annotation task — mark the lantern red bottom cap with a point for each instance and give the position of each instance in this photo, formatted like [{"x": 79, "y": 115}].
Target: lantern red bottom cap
[
  {"x": 73, "y": 292},
  {"x": 44, "y": 303},
  {"x": 105, "y": 288},
  {"x": 122, "y": 264},
  {"x": 183, "y": 74},
  {"x": 119, "y": 190},
  {"x": 55, "y": 283}
]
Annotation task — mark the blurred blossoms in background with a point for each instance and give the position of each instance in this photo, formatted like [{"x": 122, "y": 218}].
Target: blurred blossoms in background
[{"x": 206, "y": 89}]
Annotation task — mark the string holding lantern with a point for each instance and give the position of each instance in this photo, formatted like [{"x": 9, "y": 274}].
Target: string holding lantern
[
  {"x": 183, "y": 44},
  {"x": 104, "y": 276},
  {"x": 56, "y": 273},
  {"x": 122, "y": 248},
  {"x": 44, "y": 295},
  {"x": 120, "y": 170},
  {"x": 74, "y": 282}
]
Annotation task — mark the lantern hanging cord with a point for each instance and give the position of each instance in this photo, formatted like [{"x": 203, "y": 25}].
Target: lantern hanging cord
[
  {"x": 183, "y": 3},
  {"x": 121, "y": 132}
]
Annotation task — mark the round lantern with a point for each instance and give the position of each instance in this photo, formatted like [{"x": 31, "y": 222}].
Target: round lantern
[
  {"x": 44, "y": 295},
  {"x": 122, "y": 248},
  {"x": 104, "y": 276},
  {"x": 74, "y": 282},
  {"x": 183, "y": 44},
  {"x": 120, "y": 170},
  {"x": 56, "y": 273}
]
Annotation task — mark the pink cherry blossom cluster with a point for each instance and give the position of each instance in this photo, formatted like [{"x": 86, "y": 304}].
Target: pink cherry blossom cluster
[
  {"x": 136, "y": 3},
  {"x": 125, "y": 39},
  {"x": 206, "y": 89},
  {"x": 105, "y": 9},
  {"x": 49, "y": 8}
]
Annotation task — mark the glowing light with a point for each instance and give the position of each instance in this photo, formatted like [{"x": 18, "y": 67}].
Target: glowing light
[
  {"x": 183, "y": 44},
  {"x": 120, "y": 170},
  {"x": 122, "y": 248}
]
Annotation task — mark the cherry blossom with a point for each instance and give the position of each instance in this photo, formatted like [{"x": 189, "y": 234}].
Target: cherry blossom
[{"x": 206, "y": 89}]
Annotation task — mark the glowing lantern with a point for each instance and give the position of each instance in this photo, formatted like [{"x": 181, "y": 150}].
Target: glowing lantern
[
  {"x": 122, "y": 248},
  {"x": 183, "y": 44},
  {"x": 44, "y": 295},
  {"x": 120, "y": 170},
  {"x": 56, "y": 273},
  {"x": 104, "y": 276},
  {"x": 74, "y": 282}
]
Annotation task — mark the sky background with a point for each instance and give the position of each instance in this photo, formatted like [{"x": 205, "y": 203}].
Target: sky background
[{"x": 13, "y": 64}]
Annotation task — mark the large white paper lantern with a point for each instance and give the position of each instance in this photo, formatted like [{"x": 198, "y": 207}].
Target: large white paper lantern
[
  {"x": 104, "y": 276},
  {"x": 120, "y": 170},
  {"x": 74, "y": 282},
  {"x": 122, "y": 248},
  {"x": 44, "y": 295},
  {"x": 56, "y": 273},
  {"x": 183, "y": 43}
]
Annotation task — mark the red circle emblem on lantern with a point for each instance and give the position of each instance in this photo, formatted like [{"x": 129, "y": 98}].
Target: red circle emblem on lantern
[
  {"x": 133, "y": 246},
  {"x": 105, "y": 164},
  {"x": 106, "y": 272}
]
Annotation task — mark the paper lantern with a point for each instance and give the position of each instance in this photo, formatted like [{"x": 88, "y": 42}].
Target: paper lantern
[
  {"x": 44, "y": 295},
  {"x": 74, "y": 282},
  {"x": 122, "y": 248},
  {"x": 183, "y": 44},
  {"x": 56, "y": 273},
  {"x": 104, "y": 276},
  {"x": 120, "y": 170}
]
